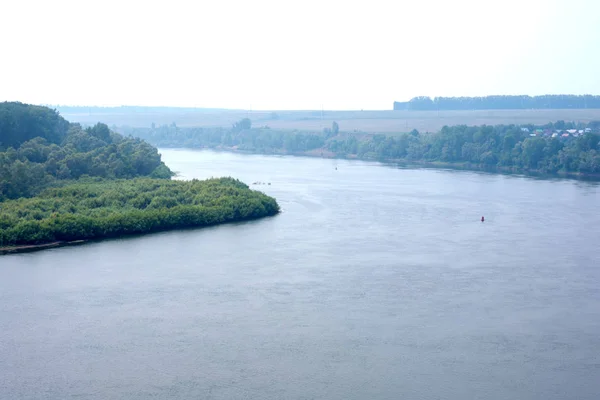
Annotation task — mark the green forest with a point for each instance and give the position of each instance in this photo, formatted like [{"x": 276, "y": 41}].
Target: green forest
[
  {"x": 61, "y": 182},
  {"x": 39, "y": 148},
  {"x": 542, "y": 149}
]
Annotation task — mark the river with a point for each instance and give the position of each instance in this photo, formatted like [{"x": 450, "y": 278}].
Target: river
[{"x": 373, "y": 283}]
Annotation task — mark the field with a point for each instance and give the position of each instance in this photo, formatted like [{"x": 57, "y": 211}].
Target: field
[{"x": 349, "y": 121}]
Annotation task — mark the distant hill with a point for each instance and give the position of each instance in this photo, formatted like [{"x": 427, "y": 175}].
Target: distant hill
[{"x": 560, "y": 101}]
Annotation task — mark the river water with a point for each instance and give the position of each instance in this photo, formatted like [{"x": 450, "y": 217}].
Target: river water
[{"x": 373, "y": 283}]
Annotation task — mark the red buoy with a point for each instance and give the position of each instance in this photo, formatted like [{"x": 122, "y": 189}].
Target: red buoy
[{"x": 482, "y": 219}]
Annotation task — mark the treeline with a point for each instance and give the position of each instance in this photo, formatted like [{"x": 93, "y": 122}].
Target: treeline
[
  {"x": 241, "y": 137},
  {"x": 502, "y": 147},
  {"x": 39, "y": 148},
  {"x": 561, "y": 101},
  {"x": 93, "y": 209}
]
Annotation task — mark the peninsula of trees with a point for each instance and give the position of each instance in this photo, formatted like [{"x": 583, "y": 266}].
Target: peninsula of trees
[
  {"x": 93, "y": 210},
  {"x": 61, "y": 182},
  {"x": 560, "y": 148},
  {"x": 561, "y": 101}
]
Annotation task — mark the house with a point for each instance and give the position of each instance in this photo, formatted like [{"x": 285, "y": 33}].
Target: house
[
  {"x": 532, "y": 134},
  {"x": 525, "y": 130},
  {"x": 565, "y": 135},
  {"x": 588, "y": 130},
  {"x": 572, "y": 131},
  {"x": 554, "y": 134}
]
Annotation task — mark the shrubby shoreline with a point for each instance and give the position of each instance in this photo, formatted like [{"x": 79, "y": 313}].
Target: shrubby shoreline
[{"x": 117, "y": 208}]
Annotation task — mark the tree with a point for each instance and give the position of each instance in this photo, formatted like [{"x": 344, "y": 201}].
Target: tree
[
  {"x": 243, "y": 124},
  {"x": 335, "y": 128},
  {"x": 100, "y": 131},
  {"x": 533, "y": 151}
]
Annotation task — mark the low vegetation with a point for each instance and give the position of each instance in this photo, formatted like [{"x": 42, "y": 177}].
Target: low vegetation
[{"x": 100, "y": 209}]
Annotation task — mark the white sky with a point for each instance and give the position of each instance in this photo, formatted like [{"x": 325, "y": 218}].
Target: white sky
[{"x": 294, "y": 54}]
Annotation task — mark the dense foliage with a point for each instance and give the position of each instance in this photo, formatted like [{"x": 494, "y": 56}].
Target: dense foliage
[
  {"x": 109, "y": 208},
  {"x": 561, "y": 101},
  {"x": 40, "y": 148},
  {"x": 507, "y": 147},
  {"x": 486, "y": 147},
  {"x": 22, "y": 122}
]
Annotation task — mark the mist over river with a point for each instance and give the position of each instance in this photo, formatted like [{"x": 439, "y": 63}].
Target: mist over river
[{"x": 374, "y": 282}]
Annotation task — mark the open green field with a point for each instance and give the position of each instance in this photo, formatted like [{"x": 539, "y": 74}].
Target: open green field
[{"x": 349, "y": 121}]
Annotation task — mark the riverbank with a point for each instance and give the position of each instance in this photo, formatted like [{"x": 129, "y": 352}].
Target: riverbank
[
  {"x": 36, "y": 247},
  {"x": 462, "y": 166}
]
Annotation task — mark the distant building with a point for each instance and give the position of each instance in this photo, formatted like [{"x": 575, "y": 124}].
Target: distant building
[
  {"x": 555, "y": 135},
  {"x": 588, "y": 130},
  {"x": 565, "y": 135},
  {"x": 524, "y": 129}
]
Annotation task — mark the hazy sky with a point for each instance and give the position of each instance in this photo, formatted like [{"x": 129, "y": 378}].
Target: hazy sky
[{"x": 295, "y": 54}]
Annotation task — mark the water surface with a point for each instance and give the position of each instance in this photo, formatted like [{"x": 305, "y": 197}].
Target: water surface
[{"x": 373, "y": 283}]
